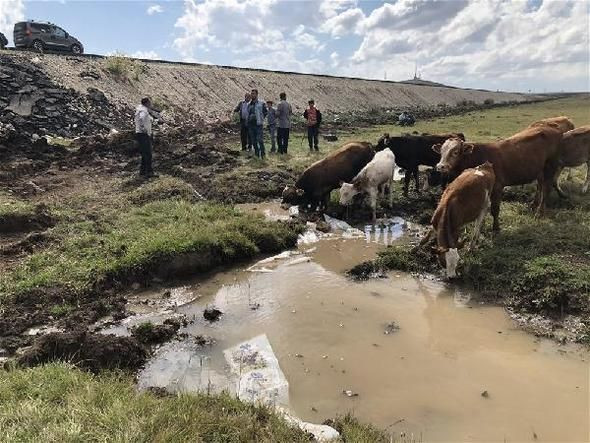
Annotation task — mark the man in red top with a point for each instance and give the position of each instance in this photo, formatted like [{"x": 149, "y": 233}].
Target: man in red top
[{"x": 313, "y": 116}]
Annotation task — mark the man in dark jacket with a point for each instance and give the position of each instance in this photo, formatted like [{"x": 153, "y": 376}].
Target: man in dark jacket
[
  {"x": 313, "y": 117},
  {"x": 242, "y": 109},
  {"x": 3, "y": 41}
]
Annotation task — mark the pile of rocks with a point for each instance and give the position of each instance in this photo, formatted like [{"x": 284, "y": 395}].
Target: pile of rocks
[{"x": 35, "y": 106}]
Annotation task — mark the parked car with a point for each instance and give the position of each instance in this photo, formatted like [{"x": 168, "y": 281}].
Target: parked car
[
  {"x": 44, "y": 35},
  {"x": 3, "y": 41}
]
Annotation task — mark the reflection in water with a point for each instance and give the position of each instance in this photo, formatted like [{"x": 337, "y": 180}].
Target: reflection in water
[{"x": 427, "y": 377}]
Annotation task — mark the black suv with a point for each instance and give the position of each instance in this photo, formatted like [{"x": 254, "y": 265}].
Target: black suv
[{"x": 40, "y": 36}]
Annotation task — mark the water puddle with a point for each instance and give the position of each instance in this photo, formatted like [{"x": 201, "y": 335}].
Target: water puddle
[{"x": 407, "y": 354}]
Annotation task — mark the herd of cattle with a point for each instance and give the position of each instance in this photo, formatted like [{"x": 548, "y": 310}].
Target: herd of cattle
[{"x": 477, "y": 173}]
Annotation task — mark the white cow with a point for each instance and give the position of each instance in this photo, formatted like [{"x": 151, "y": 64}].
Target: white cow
[{"x": 374, "y": 177}]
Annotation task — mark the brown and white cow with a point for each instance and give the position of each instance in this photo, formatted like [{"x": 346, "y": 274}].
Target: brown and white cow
[
  {"x": 466, "y": 199},
  {"x": 575, "y": 151},
  {"x": 315, "y": 183},
  {"x": 527, "y": 156},
  {"x": 562, "y": 123}
]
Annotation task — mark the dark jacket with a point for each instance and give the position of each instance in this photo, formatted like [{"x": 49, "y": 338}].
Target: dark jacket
[
  {"x": 318, "y": 114},
  {"x": 3, "y": 41}
]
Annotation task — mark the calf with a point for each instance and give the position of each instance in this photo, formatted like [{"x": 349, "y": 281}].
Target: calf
[
  {"x": 412, "y": 151},
  {"x": 318, "y": 180},
  {"x": 527, "y": 156},
  {"x": 375, "y": 176},
  {"x": 465, "y": 200},
  {"x": 562, "y": 124},
  {"x": 575, "y": 151}
]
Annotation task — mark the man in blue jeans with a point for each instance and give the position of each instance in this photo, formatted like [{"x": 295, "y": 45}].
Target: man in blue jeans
[
  {"x": 256, "y": 114},
  {"x": 313, "y": 118}
]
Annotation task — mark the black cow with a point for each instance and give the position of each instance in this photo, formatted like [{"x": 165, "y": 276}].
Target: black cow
[{"x": 412, "y": 151}]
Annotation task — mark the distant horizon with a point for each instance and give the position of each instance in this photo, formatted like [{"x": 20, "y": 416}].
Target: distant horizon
[{"x": 540, "y": 46}]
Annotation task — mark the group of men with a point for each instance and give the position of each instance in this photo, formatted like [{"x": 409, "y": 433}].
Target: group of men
[{"x": 253, "y": 112}]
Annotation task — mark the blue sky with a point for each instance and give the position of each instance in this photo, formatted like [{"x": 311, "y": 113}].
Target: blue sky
[{"x": 539, "y": 45}]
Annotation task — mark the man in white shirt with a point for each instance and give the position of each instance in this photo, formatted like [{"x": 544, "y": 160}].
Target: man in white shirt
[{"x": 143, "y": 135}]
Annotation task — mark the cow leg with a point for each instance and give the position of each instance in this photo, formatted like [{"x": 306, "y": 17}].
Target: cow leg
[
  {"x": 373, "y": 202},
  {"x": 587, "y": 182},
  {"x": 479, "y": 222},
  {"x": 391, "y": 192},
  {"x": 407, "y": 177},
  {"x": 495, "y": 207},
  {"x": 417, "y": 179}
]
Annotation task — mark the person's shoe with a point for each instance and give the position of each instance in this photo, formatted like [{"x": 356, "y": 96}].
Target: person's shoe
[{"x": 152, "y": 175}]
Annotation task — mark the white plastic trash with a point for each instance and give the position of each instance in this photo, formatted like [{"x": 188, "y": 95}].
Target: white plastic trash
[{"x": 259, "y": 377}]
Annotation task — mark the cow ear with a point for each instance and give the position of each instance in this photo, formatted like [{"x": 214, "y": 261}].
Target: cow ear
[
  {"x": 468, "y": 148},
  {"x": 436, "y": 148}
]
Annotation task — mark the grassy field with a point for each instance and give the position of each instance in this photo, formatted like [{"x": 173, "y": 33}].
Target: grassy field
[{"x": 116, "y": 231}]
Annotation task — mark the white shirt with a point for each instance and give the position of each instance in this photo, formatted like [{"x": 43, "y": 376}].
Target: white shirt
[{"x": 143, "y": 120}]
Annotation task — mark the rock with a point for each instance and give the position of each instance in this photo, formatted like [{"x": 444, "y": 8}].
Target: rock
[{"x": 212, "y": 314}]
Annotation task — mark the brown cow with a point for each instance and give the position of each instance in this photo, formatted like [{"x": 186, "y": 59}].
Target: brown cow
[
  {"x": 465, "y": 200},
  {"x": 575, "y": 151},
  {"x": 562, "y": 124},
  {"x": 527, "y": 156},
  {"x": 318, "y": 180}
]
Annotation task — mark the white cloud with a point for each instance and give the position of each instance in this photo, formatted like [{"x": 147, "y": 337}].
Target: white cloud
[
  {"x": 346, "y": 22},
  {"x": 481, "y": 43},
  {"x": 151, "y": 55},
  {"x": 155, "y": 9},
  {"x": 11, "y": 11}
]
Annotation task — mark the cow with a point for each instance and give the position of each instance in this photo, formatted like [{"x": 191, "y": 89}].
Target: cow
[
  {"x": 465, "y": 200},
  {"x": 529, "y": 155},
  {"x": 412, "y": 151},
  {"x": 575, "y": 151},
  {"x": 374, "y": 177},
  {"x": 315, "y": 183},
  {"x": 562, "y": 123}
]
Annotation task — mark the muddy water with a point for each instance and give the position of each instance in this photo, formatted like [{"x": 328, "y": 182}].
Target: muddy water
[{"x": 332, "y": 335}]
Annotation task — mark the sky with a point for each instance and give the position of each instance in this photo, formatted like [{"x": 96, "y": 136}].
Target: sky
[{"x": 520, "y": 45}]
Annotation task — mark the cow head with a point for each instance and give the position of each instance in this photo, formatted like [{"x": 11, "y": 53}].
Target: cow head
[
  {"x": 451, "y": 152},
  {"x": 382, "y": 143},
  {"x": 292, "y": 195},
  {"x": 347, "y": 193},
  {"x": 448, "y": 259}
]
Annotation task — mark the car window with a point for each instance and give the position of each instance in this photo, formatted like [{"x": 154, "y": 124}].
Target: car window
[
  {"x": 58, "y": 32},
  {"x": 45, "y": 29}
]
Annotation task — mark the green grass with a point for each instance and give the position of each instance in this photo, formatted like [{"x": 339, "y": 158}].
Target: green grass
[
  {"x": 121, "y": 242},
  {"x": 486, "y": 125},
  {"x": 11, "y": 206},
  {"x": 58, "y": 402}
]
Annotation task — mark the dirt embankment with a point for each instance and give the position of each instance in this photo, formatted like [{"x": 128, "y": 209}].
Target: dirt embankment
[{"x": 193, "y": 92}]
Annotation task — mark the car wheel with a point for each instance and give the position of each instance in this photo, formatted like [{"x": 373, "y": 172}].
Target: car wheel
[
  {"x": 76, "y": 49},
  {"x": 38, "y": 46}
]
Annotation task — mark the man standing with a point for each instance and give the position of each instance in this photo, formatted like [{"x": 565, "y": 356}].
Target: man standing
[
  {"x": 284, "y": 112},
  {"x": 313, "y": 117},
  {"x": 272, "y": 125},
  {"x": 143, "y": 135},
  {"x": 256, "y": 114},
  {"x": 242, "y": 109}
]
